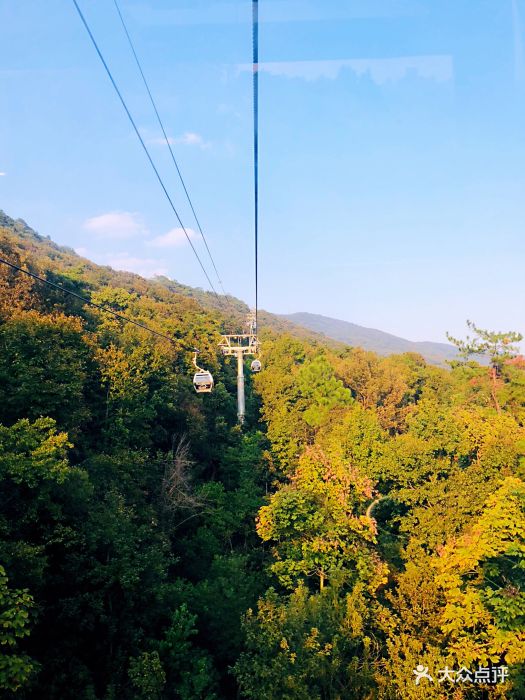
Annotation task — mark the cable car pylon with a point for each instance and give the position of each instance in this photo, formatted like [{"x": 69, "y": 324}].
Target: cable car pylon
[{"x": 241, "y": 346}]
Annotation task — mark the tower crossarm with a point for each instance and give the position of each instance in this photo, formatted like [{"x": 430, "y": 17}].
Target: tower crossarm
[{"x": 235, "y": 344}]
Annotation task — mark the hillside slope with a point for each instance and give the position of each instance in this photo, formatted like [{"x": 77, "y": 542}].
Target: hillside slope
[
  {"x": 65, "y": 262},
  {"x": 84, "y": 276}
]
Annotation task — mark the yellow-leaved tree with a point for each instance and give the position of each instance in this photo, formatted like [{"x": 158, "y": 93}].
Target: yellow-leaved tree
[{"x": 482, "y": 578}]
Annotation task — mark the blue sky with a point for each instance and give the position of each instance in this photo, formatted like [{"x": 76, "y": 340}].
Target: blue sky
[{"x": 392, "y": 150}]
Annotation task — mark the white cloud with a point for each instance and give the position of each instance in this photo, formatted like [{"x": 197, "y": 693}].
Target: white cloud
[
  {"x": 173, "y": 239},
  {"x": 146, "y": 267},
  {"x": 3, "y": 174},
  {"x": 188, "y": 138},
  {"x": 380, "y": 70},
  {"x": 116, "y": 225}
]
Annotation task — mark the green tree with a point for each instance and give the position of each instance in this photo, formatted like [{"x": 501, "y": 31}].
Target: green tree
[
  {"x": 147, "y": 676},
  {"x": 308, "y": 646},
  {"x": 321, "y": 391},
  {"x": 16, "y": 668},
  {"x": 316, "y": 528},
  {"x": 44, "y": 364},
  {"x": 497, "y": 347}
]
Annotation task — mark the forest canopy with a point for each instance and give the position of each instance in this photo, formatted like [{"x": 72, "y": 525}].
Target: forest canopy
[{"x": 367, "y": 520}]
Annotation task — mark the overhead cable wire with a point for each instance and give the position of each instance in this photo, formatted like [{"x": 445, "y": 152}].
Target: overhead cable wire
[
  {"x": 86, "y": 300},
  {"x": 146, "y": 151},
  {"x": 166, "y": 139},
  {"x": 255, "y": 67}
]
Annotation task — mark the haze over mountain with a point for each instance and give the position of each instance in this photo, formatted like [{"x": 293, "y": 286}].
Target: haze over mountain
[{"x": 371, "y": 338}]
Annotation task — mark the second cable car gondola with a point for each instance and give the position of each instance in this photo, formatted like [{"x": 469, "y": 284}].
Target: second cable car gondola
[
  {"x": 256, "y": 366},
  {"x": 202, "y": 379}
]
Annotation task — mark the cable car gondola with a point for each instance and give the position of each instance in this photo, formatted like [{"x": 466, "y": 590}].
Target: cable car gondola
[
  {"x": 202, "y": 379},
  {"x": 256, "y": 366},
  {"x": 203, "y": 382}
]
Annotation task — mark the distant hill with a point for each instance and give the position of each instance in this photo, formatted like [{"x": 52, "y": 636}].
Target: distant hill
[{"x": 370, "y": 338}]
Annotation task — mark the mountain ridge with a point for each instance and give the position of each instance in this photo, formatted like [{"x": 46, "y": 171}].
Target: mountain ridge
[{"x": 371, "y": 338}]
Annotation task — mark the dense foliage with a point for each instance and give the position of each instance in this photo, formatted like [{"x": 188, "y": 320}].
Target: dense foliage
[{"x": 369, "y": 517}]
